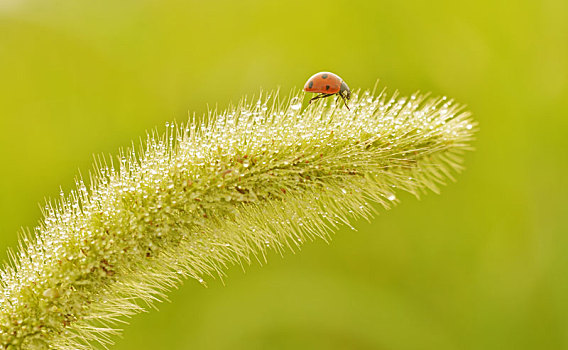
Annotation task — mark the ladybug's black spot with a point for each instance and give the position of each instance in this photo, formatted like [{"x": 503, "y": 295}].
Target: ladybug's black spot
[
  {"x": 324, "y": 76},
  {"x": 311, "y": 84},
  {"x": 327, "y": 87}
]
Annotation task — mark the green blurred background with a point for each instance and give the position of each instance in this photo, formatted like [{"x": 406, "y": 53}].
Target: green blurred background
[{"x": 482, "y": 266}]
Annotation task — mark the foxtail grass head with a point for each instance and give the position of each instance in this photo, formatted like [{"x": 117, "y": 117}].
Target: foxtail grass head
[{"x": 267, "y": 174}]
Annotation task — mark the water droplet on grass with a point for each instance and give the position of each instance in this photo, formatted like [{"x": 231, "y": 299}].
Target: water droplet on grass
[{"x": 295, "y": 103}]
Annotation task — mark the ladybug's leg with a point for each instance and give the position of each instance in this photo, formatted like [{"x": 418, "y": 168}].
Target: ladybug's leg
[
  {"x": 322, "y": 95},
  {"x": 344, "y": 100}
]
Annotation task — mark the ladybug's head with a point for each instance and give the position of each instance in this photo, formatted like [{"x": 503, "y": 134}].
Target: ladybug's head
[{"x": 344, "y": 91}]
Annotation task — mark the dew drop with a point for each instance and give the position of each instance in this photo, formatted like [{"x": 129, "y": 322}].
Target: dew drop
[
  {"x": 295, "y": 103},
  {"x": 392, "y": 197},
  {"x": 51, "y": 293}
]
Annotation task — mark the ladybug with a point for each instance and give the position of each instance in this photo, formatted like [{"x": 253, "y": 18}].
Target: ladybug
[{"x": 328, "y": 84}]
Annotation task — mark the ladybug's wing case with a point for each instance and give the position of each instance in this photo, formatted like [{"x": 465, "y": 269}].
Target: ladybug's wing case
[{"x": 323, "y": 82}]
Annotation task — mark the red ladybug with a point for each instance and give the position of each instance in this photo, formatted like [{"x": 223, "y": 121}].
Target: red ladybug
[{"x": 328, "y": 84}]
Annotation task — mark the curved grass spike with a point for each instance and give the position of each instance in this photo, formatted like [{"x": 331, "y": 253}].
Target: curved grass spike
[{"x": 204, "y": 195}]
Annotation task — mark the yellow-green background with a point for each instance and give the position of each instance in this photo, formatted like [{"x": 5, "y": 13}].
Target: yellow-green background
[{"x": 482, "y": 266}]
